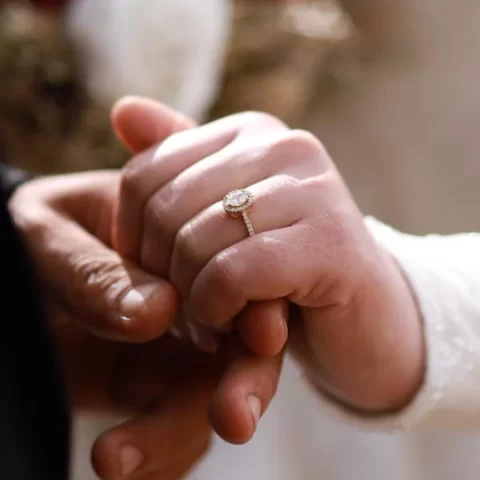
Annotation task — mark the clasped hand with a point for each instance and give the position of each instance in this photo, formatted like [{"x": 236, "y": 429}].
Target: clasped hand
[{"x": 122, "y": 254}]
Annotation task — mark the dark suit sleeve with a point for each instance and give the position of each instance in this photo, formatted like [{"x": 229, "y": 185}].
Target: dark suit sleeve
[
  {"x": 34, "y": 416},
  {"x": 11, "y": 178}
]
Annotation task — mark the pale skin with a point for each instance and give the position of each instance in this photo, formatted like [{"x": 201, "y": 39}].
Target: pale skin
[{"x": 356, "y": 326}]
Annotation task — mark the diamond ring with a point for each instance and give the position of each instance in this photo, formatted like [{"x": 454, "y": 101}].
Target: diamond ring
[{"x": 236, "y": 203}]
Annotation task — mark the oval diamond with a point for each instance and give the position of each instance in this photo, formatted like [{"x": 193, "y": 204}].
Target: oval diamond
[{"x": 237, "y": 199}]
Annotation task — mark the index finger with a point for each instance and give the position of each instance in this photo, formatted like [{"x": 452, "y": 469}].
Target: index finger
[{"x": 244, "y": 392}]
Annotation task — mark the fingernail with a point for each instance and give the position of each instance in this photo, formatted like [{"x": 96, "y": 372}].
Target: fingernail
[
  {"x": 130, "y": 458},
  {"x": 255, "y": 408},
  {"x": 135, "y": 300}
]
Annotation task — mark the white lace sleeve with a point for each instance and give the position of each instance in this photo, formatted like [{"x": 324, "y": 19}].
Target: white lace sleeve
[{"x": 444, "y": 272}]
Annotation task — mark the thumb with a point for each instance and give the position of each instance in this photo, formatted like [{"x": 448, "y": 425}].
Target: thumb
[
  {"x": 108, "y": 295},
  {"x": 140, "y": 123}
]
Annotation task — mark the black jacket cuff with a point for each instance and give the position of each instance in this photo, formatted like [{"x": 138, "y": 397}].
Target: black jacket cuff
[{"x": 11, "y": 178}]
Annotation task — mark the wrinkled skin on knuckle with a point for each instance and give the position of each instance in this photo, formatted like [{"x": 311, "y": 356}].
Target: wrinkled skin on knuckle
[
  {"x": 298, "y": 151},
  {"x": 309, "y": 149},
  {"x": 95, "y": 275}
]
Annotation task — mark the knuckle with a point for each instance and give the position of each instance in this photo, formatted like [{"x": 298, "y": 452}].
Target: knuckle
[
  {"x": 306, "y": 140},
  {"x": 303, "y": 143},
  {"x": 32, "y": 222},
  {"x": 96, "y": 274},
  {"x": 224, "y": 271},
  {"x": 293, "y": 145},
  {"x": 131, "y": 185},
  {"x": 136, "y": 178},
  {"x": 159, "y": 212},
  {"x": 287, "y": 182},
  {"x": 171, "y": 144},
  {"x": 305, "y": 146},
  {"x": 185, "y": 246},
  {"x": 29, "y": 199},
  {"x": 338, "y": 232}
]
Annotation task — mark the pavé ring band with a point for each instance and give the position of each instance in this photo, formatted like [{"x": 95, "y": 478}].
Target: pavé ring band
[{"x": 236, "y": 203}]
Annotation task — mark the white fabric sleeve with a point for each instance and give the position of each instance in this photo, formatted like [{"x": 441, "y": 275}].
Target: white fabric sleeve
[{"x": 444, "y": 272}]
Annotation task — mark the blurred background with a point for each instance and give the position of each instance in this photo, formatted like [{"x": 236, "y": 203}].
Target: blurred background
[{"x": 389, "y": 86}]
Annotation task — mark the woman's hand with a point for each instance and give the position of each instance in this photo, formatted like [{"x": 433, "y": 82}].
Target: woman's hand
[{"x": 356, "y": 325}]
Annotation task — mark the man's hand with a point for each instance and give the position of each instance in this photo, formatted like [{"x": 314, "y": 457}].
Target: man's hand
[{"x": 111, "y": 362}]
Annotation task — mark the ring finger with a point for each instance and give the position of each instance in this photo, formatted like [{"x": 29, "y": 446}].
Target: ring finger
[
  {"x": 247, "y": 160},
  {"x": 279, "y": 202}
]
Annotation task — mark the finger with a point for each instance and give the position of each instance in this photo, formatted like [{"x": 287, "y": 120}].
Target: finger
[
  {"x": 185, "y": 330},
  {"x": 243, "y": 394},
  {"x": 153, "y": 171},
  {"x": 140, "y": 123},
  {"x": 182, "y": 468},
  {"x": 115, "y": 299},
  {"x": 278, "y": 202},
  {"x": 158, "y": 441},
  {"x": 147, "y": 173},
  {"x": 247, "y": 160},
  {"x": 266, "y": 266},
  {"x": 263, "y": 327}
]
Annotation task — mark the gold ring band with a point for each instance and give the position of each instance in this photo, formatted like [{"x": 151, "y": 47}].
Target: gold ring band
[{"x": 236, "y": 203}]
